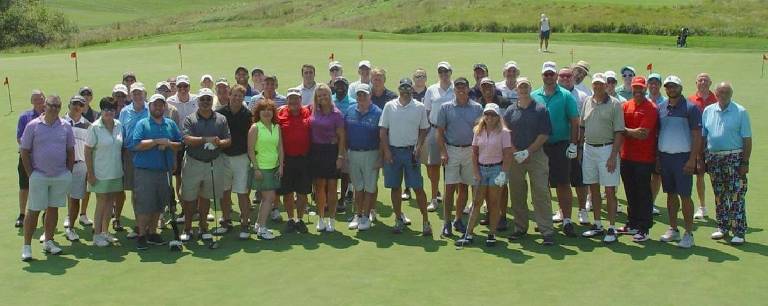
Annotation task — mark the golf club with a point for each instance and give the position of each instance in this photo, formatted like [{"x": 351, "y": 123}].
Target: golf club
[
  {"x": 214, "y": 244},
  {"x": 469, "y": 219},
  {"x": 175, "y": 244}
]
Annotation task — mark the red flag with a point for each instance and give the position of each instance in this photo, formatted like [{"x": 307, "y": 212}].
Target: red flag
[
  {"x": 360, "y": 37},
  {"x": 649, "y": 67},
  {"x": 6, "y": 81},
  {"x": 332, "y": 57},
  {"x": 73, "y": 55}
]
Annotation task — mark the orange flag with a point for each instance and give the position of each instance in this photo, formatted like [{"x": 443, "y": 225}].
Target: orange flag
[
  {"x": 649, "y": 67},
  {"x": 6, "y": 81},
  {"x": 73, "y": 55},
  {"x": 332, "y": 57}
]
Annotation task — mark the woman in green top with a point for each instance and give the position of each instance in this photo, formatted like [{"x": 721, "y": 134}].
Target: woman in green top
[{"x": 266, "y": 155}]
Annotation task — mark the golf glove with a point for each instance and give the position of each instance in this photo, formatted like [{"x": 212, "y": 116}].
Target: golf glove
[
  {"x": 521, "y": 156},
  {"x": 500, "y": 179},
  {"x": 571, "y": 153},
  {"x": 209, "y": 146}
]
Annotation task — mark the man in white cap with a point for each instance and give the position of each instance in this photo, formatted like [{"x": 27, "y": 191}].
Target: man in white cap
[
  {"x": 508, "y": 87},
  {"x": 129, "y": 117},
  {"x": 610, "y": 86},
  {"x": 437, "y": 94},
  {"x": 206, "y": 134},
  {"x": 186, "y": 104},
  {"x": 77, "y": 192},
  {"x": 335, "y": 70},
  {"x": 206, "y": 81},
  {"x": 308, "y": 84},
  {"x": 257, "y": 78},
  {"x": 222, "y": 93},
  {"x": 627, "y": 74},
  {"x": 120, "y": 94},
  {"x": 364, "y": 71},
  {"x": 602, "y": 126},
  {"x": 544, "y": 32}
]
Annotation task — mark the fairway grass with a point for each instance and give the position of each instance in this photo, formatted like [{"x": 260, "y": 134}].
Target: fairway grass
[{"x": 376, "y": 267}]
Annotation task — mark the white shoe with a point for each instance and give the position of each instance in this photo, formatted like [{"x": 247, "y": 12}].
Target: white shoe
[
  {"x": 275, "y": 215},
  {"x": 405, "y": 219},
  {"x": 354, "y": 223},
  {"x": 484, "y": 209},
  {"x": 244, "y": 235},
  {"x": 718, "y": 234},
  {"x": 670, "y": 235},
  {"x": 558, "y": 216},
  {"x": 42, "y": 237},
  {"x": 184, "y": 237},
  {"x": 467, "y": 209},
  {"x": 50, "y": 247},
  {"x": 210, "y": 218},
  {"x": 66, "y": 221},
  {"x": 583, "y": 217},
  {"x": 372, "y": 216},
  {"x": 180, "y": 219},
  {"x": 100, "y": 240},
  {"x": 320, "y": 225},
  {"x": 329, "y": 227},
  {"x": 687, "y": 241},
  {"x": 432, "y": 205},
  {"x": 110, "y": 238},
  {"x": 701, "y": 213},
  {"x": 655, "y": 211},
  {"x": 736, "y": 240},
  {"x": 588, "y": 204},
  {"x": 439, "y": 198},
  {"x": 71, "y": 235},
  {"x": 265, "y": 234},
  {"x": 26, "y": 252},
  {"x": 365, "y": 224},
  {"x": 84, "y": 221}
]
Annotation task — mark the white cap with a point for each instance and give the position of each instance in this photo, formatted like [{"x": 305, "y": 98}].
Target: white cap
[
  {"x": 182, "y": 79},
  {"x": 445, "y": 65},
  {"x": 673, "y": 79},
  {"x": 138, "y": 86},
  {"x": 156, "y": 97},
  {"x": 334, "y": 64},
  {"x": 365, "y": 63},
  {"x": 293, "y": 92},
  {"x": 610, "y": 74},
  {"x": 486, "y": 80},
  {"x": 205, "y": 92},
  {"x": 222, "y": 81},
  {"x": 522, "y": 80},
  {"x": 510, "y": 64},
  {"x": 363, "y": 88},
  {"x": 549, "y": 66},
  {"x": 161, "y": 84},
  {"x": 120, "y": 88},
  {"x": 492, "y": 107},
  {"x": 598, "y": 77},
  {"x": 206, "y": 76}
]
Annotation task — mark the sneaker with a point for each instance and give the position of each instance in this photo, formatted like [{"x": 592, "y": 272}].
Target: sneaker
[
  {"x": 459, "y": 226},
  {"x": 640, "y": 237},
  {"x": 26, "y": 252},
  {"x": 244, "y": 235},
  {"x": 372, "y": 215},
  {"x": 464, "y": 240},
  {"x": 301, "y": 227},
  {"x": 275, "y": 215},
  {"x": 320, "y": 225},
  {"x": 446, "y": 231},
  {"x": 155, "y": 239},
  {"x": 687, "y": 241},
  {"x": 84, "y": 221},
  {"x": 71, "y": 235},
  {"x": 399, "y": 226},
  {"x": 548, "y": 240},
  {"x": 290, "y": 226},
  {"x": 210, "y": 218},
  {"x": 588, "y": 204},
  {"x": 593, "y": 231},
  {"x": 432, "y": 205},
  {"x": 100, "y": 240},
  {"x": 185, "y": 236},
  {"x": 206, "y": 236},
  {"x": 583, "y": 217},
  {"x": 180, "y": 219},
  {"x": 42, "y": 238},
  {"x": 503, "y": 225},
  {"x": 557, "y": 217},
  {"x": 568, "y": 230},
  {"x": 364, "y": 224},
  {"x": 221, "y": 230},
  {"x": 718, "y": 234},
  {"x": 141, "y": 243},
  {"x": 330, "y": 226},
  {"x": 354, "y": 223},
  {"x": 405, "y": 219},
  {"x": 490, "y": 241},
  {"x": 626, "y": 230},
  {"x": 467, "y": 209},
  {"x": 672, "y": 234},
  {"x": 265, "y": 234},
  {"x": 406, "y": 195},
  {"x": 701, "y": 213},
  {"x": 736, "y": 240},
  {"x": 117, "y": 226},
  {"x": 439, "y": 197},
  {"x": 110, "y": 238},
  {"x": 66, "y": 221},
  {"x": 50, "y": 247},
  {"x": 516, "y": 235},
  {"x": 19, "y": 222},
  {"x": 132, "y": 234},
  {"x": 426, "y": 229},
  {"x": 610, "y": 235},
  {"x": 655, "y": 211}
]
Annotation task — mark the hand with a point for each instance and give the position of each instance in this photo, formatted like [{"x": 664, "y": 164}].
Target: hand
[
  {"x": 500, "y": 179},
  {"x": 743, "y": 170},
  {"x": 572, "y": 151},
  {"x": 280, "y": 172},
  {"x": 91, "y": 178},
  {"x": 388, "y": 157},
  {"x": 162, "y": 141},
  {"x": 690, "y": 166},
  {"x": 611, "y": 164},
  {"x": 658, "y": 167},
  {"x": 257, "y": 175},
  {"x": 339, "y": 163},
  {"x": 209, "y": 146},
  {"x": 417, "y": 152},
  {"x": 444, "y": 158},
  {"x": 477, "y": 176},
  {"x": 215, "y": 140},
  {"x": 521, "y": 156}
]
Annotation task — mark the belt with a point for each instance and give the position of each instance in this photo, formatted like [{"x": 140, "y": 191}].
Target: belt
[
  {"x": 726, "y": 152},
  {"x": 402, "y": 148},
  {"x": 363, "y": 149},
  {"x": 600, "y": 145},
  {"x": 460, "y": 146},
  {"x": 490, "y": 165}
]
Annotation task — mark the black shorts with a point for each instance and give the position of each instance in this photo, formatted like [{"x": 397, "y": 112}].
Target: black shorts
[
  {"x": 179, "y": 162},
  {"x": 544, "y": 34},
  {"x": 559, "y": 165},
  {"x": 323, "y": 157},
  {"x": 296, "y": 177},
  {"x": 576, "y": 176},
  {"x": 23, "y": 177}
]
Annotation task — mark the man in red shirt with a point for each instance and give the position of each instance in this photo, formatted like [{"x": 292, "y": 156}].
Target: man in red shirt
[
  {"x": 638, "y": 159},
  {"x": 295, "y": 182},
  {"x": 702, "y": 98}
]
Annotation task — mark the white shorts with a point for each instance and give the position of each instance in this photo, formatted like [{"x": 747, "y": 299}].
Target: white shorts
[
  {"x": 241, "y": 172},
  {"x": 45, "y": 192},
  {"x": 593, "y": 166},
  {"x": 362, "y": 170},
  {"x": 77, "y": 188},
  {"x": 459, "y": 168}
]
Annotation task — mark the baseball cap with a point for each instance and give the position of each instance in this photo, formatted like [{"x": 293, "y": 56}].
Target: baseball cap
[
  {"x": 182, "y": 79},
  {"x": 549, "y": 66},
  {"x": 460, "y": 81},
  {"x": 364, "y": 63},
  {"x": 654, "y": 76},
  {"x": 444, "y": 65},
  {"x": 598, "y": 77},
  {"x": 334, "y": 64},
  {"x": 630, "y": 68},
  {"x": 673, "y": 79},
  {"x": 293, "y": 92},
  {"x": 162, "y": 84},
  {"x": 120, "y": 88},
  {"x": 610, "y": 74},
  {"x": 77, "y": 99},
  {"x": 364, "y": 88},
  {"x": 84, "y": 89},
  {"x": 222, "y": 81},
  {"x": 271, "y": 77},
  {"x": 241, "y": 68},
  {"x": 638, "y": 81},
  {"x": 405, "y": 83},
  {"x": 486, "y": 80},
  {"x": 492, "y": 107},
  {"x": 129, "y": 74},
  {"x": 510, "y": 64},
  {"x": 137, "y": 86},
  {"x": 206, "y": 76},
  {"x": 523, "y": 80},
  {"x": 156, "y": 97},
  {"x": 583, "y": 65},
  {"x": 205, "y": 92},
  {"x": 254, "y": 70},
  {"x": 342, "y": 80},
  {"x": 480, "y": 66}
]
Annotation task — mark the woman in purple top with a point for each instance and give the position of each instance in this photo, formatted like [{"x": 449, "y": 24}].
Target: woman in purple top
[{"x": 326, "y": 154}]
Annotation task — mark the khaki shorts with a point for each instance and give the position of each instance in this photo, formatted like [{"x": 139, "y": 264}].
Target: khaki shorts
[
  {"x": 196, "y": 180},
  {"x": 45, "y": 191},
  {"x": 362, "y": 170},
  {"x": 77, "y": 188},
  {"x": 240, "y": 167},
  {"x": 459, "y": 168}
]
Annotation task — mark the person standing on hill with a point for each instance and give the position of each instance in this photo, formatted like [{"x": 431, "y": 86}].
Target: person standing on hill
[{"x": 544, "y": 32}]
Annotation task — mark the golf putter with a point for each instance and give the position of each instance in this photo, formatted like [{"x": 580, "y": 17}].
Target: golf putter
[
  {"x": 214, "y": 244},
  {"x": 175, "y": 244},
  {"x": 469, "y": 219}
]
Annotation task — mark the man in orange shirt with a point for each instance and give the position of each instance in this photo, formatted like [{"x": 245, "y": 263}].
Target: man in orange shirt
[{"x": 702, "y": 98}]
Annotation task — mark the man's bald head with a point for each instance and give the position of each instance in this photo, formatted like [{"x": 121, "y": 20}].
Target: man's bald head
[
  {"x": 703, "y": 81},
  {"x": 724, "y": 92}
]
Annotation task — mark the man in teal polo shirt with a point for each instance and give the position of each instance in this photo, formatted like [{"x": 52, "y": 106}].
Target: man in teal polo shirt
[{"x": 561, "y": 145}]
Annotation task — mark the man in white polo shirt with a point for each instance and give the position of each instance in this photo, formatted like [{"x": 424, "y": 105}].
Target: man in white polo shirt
[
  {"x": 364, "y": 71},
  {"x": 186, "y": 104},
  {"x": 308, "y": 84},
  {"x": 437, "y": 94},
  {"x": 508, "y": 87}
]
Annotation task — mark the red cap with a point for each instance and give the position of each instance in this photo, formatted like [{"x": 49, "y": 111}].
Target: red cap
[{"x": 638, "y": 81}]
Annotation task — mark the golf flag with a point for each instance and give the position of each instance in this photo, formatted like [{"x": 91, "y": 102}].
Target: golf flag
[
  {"x": 73, "y": 55},
  {"x": 360, "y": 36},
  {"x": 5, "y": 82},
  {"x": 649, "y": 67},
  {"x": 331, "y": 58}
]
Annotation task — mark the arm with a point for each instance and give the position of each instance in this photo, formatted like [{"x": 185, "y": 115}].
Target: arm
[
  {"x": 538, "y": 143},
  {"x": 280, "y": 153},
  {"x": 26, "y": 160},
  {"x": 91, "y": 175},
  {"x": 747, "y": 151},
  {"x": 507, "y": 161},
  {"x": 618, "y": 141},
  {"x": 440, "y": 138},
  {"x": 476, "y": 162},
  {"x": 690, "y": 165},
  {"x": 420, "y": 142},
  {"x": 574, "y": 130},
  {"x": 341, "y": 135},
  {"x": 384, "y": 144},
  {"x": 70, "y": 158}
]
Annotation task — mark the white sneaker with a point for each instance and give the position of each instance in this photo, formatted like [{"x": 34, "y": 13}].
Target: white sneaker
[
  {"x": 84, "y": 221},
  {"x": 588, "y": 204},
  {"x": 354, "y": 223},
  {"x": 184, "y": 237},
  {"x": 583, "y": 217},
  {"x": 66, "y": 221},
  {"x": 265, "y": 234},
  {"x": 736, "y": 240},
  {"x": 42, "y": 237},
  {"x": 26, "y": 252},
  {"x": 701, "y": 213},
  {"x": 71, "y": 235},
  {"x": 610, "y": 236},
  {"x": 210, "y": 218},
  {"x": 320, "y": 225},
  {"x": 439, "y": 198},
  {"x": 467, "y": 209},
  {"x": 718, "y": 234},
  {"x": 100, "y": 240},
  {"x": 180, "y": 219},
  {"x": 558, "y": 216},
  {"x": 50, "y": 247},
  {"x": 110, "y": 238},
  {"x": 275, "y": 215},
  {"x": 670, "y": 235},
  {"x": 484, "y": 209},
  {"x": 655, "y": 211},
  {"x": 329, "y": 227},
  {"x": 244, "y": 235},
  {"x": 365, "y": 224},
  {"x": 432, "y": 205},
  {"x": 206, "y": 236},
  {"x": 372, "y": 216},
  {"x": 687, "y": 241},
  {"x": 405, "y": 219}
]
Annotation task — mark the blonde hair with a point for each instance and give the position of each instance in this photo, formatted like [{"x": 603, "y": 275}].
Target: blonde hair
[
  {"x": 315, "y": 104},
  {"x": 379, "y": 71},
  {"x": 419, "y": 71},
  {"x": 480, "y": 125}
]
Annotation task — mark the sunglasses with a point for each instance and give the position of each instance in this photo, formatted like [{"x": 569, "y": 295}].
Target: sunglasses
[
  {"x": 108, "y": 110},
  {"x": 53, "y": 105},
  {"x": 182, "y": 86},
  {"x": 628, "y": 75},
  {"x": 86, "y": 93},
  {"x": 420, "y": 77}
]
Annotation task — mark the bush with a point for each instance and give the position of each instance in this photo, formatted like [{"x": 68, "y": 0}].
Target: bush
[{"x": 29, "y": 22}]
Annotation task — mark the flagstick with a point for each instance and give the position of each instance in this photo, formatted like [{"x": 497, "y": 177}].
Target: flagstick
[
  {"x": 762, "y": 70},
  {"x": 502, "y": 47},
  {"x": 8, "y": 86},
  {"x": 77, "y": 72},
  {"x": 181, "y": 60},
  {"x": 572, "y": 61}
]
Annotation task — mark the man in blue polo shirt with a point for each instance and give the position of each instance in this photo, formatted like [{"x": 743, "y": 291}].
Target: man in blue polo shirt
[
  {"x": 561, "y": 144},
  {"x": 728, "y": 137},
  {"x": 362, "y": 125},
  {"x": 153, "y": 143},
  {"x": 129, "y": 116}
]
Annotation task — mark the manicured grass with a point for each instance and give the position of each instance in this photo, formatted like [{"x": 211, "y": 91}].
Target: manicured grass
[{"x": 375, "y": 267}]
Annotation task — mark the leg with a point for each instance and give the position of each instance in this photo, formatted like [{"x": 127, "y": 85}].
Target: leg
[
  {"x": 301, "y": 205},
  {"x": 700, "y": 189},
  {"x": 321, "y": 196},
  {"x": 267, "y": 197},
  {"x": 421, "y": 199},
  {"x": 687, "y": 214},
  {"x": 673, "y": 205},
  {"x": 565, "y": 199},
  {"x": 330, "y": 191},
  {"x": 98, "y": 214},
  {"x": 461, "y": 199},
  {"x": 73, "y": 209},
  {"x": 188, "y": 211},
  {"x": 448, "y": 204},
  {"x": 396, "y": 201},
  {"x": 51, "y": 217},
  {"x": 655, "y": 186},
  {"x": 597, "y": 201},
  {"x": 203, "y": 207},
  {"x": 245, "y": 208},
  {"x": 433, "y": 172},
  {"x": 493, "y": 195},
  {"x": 290, "y": 204},
  {"x": 226, "y": 205},
  {"x": 610, "y": 199},
  {"x": 84, "y": 205},
  {"x": 30, "y": 224},
  {"x": 476, "y": 203},
  {"x": 23, "y": 196},
  {"x": 517, "y": 198}
]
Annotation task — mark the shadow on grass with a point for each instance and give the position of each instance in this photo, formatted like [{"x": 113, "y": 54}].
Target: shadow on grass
[
  {"x": 51, "y": 264},
  {"x": 382, "y": 235}
]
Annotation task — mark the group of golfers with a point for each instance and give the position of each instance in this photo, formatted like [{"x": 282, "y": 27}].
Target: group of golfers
[{"x": 496, "y": 141}]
